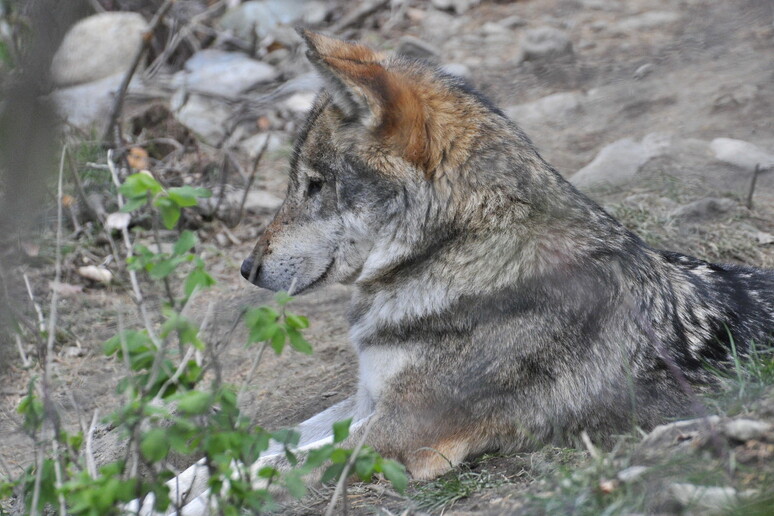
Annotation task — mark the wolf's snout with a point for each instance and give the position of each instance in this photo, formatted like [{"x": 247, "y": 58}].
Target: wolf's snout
[{"x": 249, "y": 269}]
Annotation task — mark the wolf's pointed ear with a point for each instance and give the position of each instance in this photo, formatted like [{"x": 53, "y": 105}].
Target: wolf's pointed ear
[
  {"x": 363, "y": 88},
  {"x": 347, "y": 68}
]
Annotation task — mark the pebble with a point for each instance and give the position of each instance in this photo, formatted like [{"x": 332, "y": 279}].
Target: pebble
[
  {"x": 512, "y": 22},
  {"x": 545, "y": 43},
  {"x": 458, "y": 6},
  {"x": 648, "y": 21},
  {"x": 643, "y": 71}
]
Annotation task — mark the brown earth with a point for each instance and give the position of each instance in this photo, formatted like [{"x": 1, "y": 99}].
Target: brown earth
[{"x": 714, "y": 51}]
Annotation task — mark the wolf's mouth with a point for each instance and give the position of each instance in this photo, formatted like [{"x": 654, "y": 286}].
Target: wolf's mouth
[{"x": 319, "y": 280}]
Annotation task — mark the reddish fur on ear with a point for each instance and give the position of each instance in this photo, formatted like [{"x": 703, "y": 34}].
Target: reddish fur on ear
[{"x": 401, "y": 115}]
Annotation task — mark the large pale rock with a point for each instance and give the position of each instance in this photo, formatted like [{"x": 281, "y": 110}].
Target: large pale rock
[
  {"x": 87, "y": 106},
  {"x": 741, "y": 154},
  {"x": 556, "y": 108},
  {"x": 223, "y": 73},
  {"x": 205, "y": 117},
  {"x": 97, "y": 47},
  {"x": 618, "y": 163}
]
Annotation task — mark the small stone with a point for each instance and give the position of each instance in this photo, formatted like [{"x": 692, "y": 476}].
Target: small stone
[
  {"x": 252, "y": 146},
  {"x": 764, "y": 238},
  {"x": 458, "y": 6},
  {"x": 648, "y": 21},
  {"x": 300, "y": 102},
  {"x": 97, "y": 47},
  {"x": 512, "y": 22},
  {"x": 117, "y": 221},
  {"x": 94, "y": 273},
  {"x": 601, "y": 5},
  {"x": 631, "y": 474},
  {"x": 457, "y": 69},
  {"x": 545, "y": 43},
  {"x": 416, "y": 48},
  {"x": 741, "y": 154},
  {"x": 73, "y": 351},
  {"x": 703, "y": 209},
  {"x": 315, "y": 13},
  {"x": 643, "y": 71},
  {"x": 493, "y": 29},
  {"x": 223, "y": 73},
  {"x": 747, "y": 429}
]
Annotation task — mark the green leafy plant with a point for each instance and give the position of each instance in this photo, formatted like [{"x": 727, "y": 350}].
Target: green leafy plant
[{"x": 172, "y": 406}]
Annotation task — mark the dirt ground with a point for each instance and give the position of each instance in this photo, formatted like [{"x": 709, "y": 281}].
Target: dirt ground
[{"x": 711, "y": 74}]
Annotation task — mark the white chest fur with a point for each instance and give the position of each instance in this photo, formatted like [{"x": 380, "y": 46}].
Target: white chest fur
[{"x": 378, "y": 364}]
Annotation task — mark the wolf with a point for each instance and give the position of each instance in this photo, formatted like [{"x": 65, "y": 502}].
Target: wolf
[{"x": 495, "y": 307}]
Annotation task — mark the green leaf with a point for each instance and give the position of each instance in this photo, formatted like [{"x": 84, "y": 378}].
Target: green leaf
[
  {"x": 295, "y": 484},
  {"x": 341, "y": 430},
  {"x": 185, "y": 243},
  {"x": 278, "y": 341},
  {"x": 186, "y": 195},
  {"x": 155, "y": 445},
  {"x": 194, "y": 402},
  {"x": 298, "y": 342},
  {"x": 364, "y": 466},
  {"x": 340, "y": 455},
  {"x": 317, "y": 456},
  {"x": 333, "y": 472},
  {"x": 170, "y": 212},
  {"x": 395, "y": 473},
  {"x": 134, "y": 204},
  {"x": 197, "y": 278},
  {"x": 139, "y": 185},
  {"x": 298, "y": 322}
]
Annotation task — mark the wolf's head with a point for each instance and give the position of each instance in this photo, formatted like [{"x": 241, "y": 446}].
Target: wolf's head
[{"x": 376, "y": 175}]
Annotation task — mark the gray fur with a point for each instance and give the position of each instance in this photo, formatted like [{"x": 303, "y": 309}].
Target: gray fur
[{"x": 495, "y": 306}]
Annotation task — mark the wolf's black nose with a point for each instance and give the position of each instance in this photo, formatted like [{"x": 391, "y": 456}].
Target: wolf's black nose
[{"x": 247, "y": 269}]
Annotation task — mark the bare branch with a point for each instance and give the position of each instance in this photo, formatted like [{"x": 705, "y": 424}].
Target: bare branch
[{"x": 118, "y": 103}]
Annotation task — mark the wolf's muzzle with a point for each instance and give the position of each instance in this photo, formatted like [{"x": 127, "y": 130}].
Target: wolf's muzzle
[{"x": 249, "y": 270}]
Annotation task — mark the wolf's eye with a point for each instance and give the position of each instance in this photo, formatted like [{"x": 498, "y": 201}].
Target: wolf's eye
[{"x": 315, "y": 185}]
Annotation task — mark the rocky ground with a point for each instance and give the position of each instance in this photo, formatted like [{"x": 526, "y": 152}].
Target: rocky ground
[{"x": 661, "y": 110}]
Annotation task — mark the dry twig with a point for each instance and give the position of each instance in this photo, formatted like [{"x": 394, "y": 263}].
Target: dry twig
[{"x": 118, "y": 103}]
